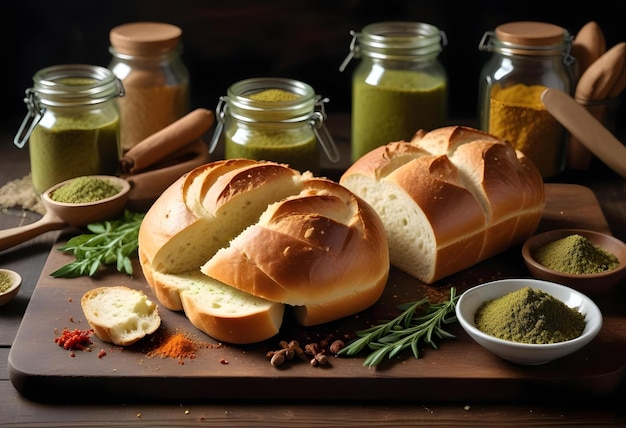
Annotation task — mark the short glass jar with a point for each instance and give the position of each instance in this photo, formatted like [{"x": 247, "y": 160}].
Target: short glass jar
[
  {"x": 274, "y": 119},
  {"x": 72, "y": 124},
  {"x": 527, "y": 58},
  {"x": 146, "y": 57},
  {"x": 399, "y": 86}
]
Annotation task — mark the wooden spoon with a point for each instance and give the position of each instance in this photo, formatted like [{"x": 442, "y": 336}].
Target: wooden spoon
[
  {"x": 586, "y": 128},
  {"x": 60, "y": 214}
]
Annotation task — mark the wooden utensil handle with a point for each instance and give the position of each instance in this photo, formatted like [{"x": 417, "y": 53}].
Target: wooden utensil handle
[
  {"x": 167, "y": 141},
  {"x": 16, "y": 235}
]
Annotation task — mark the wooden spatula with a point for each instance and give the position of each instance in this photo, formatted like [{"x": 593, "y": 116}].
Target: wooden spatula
[{"x": 586, "y": 128}]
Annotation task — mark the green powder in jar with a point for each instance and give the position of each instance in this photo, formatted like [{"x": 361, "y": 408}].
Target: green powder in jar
[
  {"x": 529, "y": 316},
  {"x": 289, "y": 143},
  {"x": 280, "y": 147},
  {"x": 394, "y": 109},
  {"x": 575, "y": 254},
  {"x": 84, "y": 190},
  {"x": 274, "y": 95},
  {"x": 73, "y": 147}
]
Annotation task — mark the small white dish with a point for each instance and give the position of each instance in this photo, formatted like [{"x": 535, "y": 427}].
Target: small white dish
[
  {"x": 14, "y": 288},
  {"x": 526, "y": 353}
]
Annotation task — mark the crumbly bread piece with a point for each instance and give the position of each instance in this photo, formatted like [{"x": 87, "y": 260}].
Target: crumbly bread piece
[
  {"x": 449, "y": 199},
  {"x": 119, "y": 314},
  {"x": 263, "y": 235}
]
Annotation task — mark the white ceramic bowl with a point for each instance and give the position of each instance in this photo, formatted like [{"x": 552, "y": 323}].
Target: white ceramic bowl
[
  {"x": 16, "y": 283},
  {"x": 526, "y": 353}
]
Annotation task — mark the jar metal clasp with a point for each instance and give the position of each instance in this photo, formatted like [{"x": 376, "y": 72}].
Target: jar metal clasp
[
  {"x": 316, "y": 122},
  {"x": 32, "y": 118},
  {"x": 355, "y": 51},
  {"x": 486, "y": 41},
  {"x": 321, "y": 132},
  {"x": 220, "y": 112}
]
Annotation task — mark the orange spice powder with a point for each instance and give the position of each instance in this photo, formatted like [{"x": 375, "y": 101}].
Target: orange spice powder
[{"x": 179, "y": 345}]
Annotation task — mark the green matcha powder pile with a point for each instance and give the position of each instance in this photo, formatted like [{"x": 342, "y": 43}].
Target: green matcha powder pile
[
  {"x": 85, "y": 189},
  {"x": 529, "y": 316},
  {"x": 575, "y": 254}
]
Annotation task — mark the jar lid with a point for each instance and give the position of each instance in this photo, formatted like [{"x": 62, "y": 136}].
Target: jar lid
[
  {"x": 75, "y": 84},
  {"x": 244, "y": 107},
  {"x": 389, "y": 40},
  {"x": 530, "y": 33},
  {"x": 141, "y": 38}
]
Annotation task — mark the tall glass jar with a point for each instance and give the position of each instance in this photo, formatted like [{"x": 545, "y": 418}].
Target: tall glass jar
[
  {"x": 399, "y": 86},
  {"x": 146, "y": 56},
  {"x": 72, "y": 124},
  {"x": 527, "y": 58},
  {"x": 275, "y": 119}
]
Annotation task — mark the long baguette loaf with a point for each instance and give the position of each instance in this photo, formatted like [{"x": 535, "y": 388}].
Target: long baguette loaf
[
  {"x": 449, "y": 199},
  {"x": 232, "y": 242}
]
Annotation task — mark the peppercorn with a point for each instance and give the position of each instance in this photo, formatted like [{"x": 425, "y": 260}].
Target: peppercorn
[{"x": 337, "y": 346}]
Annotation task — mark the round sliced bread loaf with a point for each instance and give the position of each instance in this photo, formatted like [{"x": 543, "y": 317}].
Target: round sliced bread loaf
[{"x": 232, "y": 242}]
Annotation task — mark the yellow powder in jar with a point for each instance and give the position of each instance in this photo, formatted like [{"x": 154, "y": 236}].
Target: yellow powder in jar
[
  {"x": 274, "y": 95},
  {"x": 518, "y": 116}
]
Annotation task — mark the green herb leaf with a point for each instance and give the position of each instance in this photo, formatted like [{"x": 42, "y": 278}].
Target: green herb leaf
[
  {"x": 111, "y": 242},
  {"x": 407, "y": 330}
]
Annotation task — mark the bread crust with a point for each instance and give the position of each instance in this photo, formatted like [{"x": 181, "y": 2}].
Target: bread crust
[
  {"x": 469, "y": 194},
  {"x": 321, "y": 248}
]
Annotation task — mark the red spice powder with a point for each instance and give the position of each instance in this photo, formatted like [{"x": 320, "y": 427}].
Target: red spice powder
[{"x": 74, "y": 339}]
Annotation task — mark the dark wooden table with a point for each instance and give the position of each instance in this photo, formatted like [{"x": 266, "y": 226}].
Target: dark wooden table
[{"x": 29, "y": 258}]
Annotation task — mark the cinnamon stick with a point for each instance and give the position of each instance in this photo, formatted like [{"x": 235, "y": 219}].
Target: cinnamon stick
[{"x": 167, "y": 141}]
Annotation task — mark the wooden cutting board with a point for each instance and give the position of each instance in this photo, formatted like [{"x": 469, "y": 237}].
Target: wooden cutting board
[{"x": 460, "y": 370}]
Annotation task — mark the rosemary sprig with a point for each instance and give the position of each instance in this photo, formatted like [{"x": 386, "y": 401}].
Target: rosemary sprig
[
  {"x": 389, "y": 338},
  {"x": 111, "y": 241}
]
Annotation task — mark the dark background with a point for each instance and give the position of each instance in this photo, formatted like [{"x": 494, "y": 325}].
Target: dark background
[{"x": 227, "y": 41}]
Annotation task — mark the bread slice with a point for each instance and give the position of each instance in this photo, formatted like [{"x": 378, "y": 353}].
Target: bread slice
[
  {"x": 228, "y": 314},
  {"x": 119, "y": 314}
]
